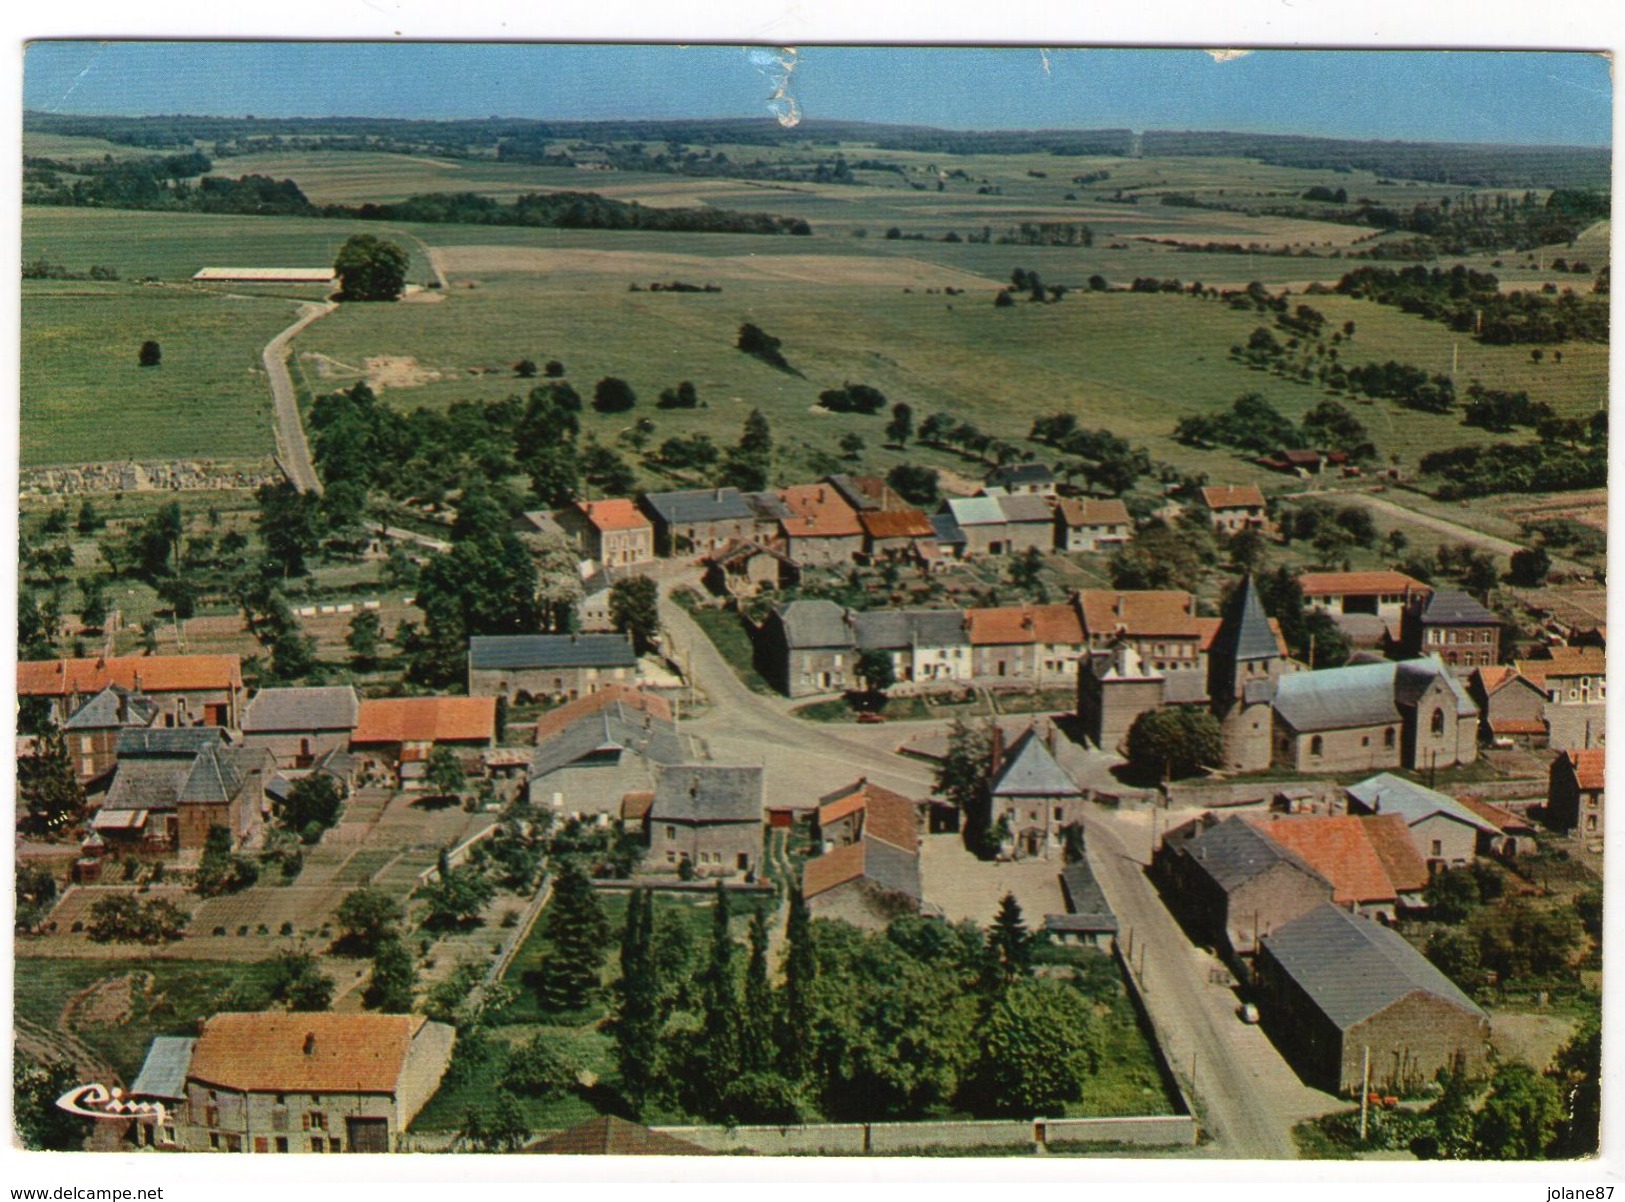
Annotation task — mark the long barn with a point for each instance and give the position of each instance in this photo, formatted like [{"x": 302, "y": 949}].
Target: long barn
[{"x": 266, "y": 275}]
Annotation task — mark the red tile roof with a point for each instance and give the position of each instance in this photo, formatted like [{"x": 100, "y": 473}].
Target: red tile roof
[
  {"x": 617, "y": 513},
  {"x": 1565, "y": 661},
  {"x": 1088, "y": 512},
  {"x": 555, "y": 720},
  {"x": 832, "y": 868},
  {"x": 1494, "y": 815},
  {"x": 280, "y": 1052},
  {"x": 426, "y": 720},
  {"x": 999, "y": 627},
  {"x": 1588, "y": 766},
  {"x": 156, "y": 673},
  {"x": 1058, "y": 623},
  {"x": 1492, "y": 678},
  {"x": 897, "y": 523},
  {"x": 1358, "y": 584},
  {"x": 1390, "y": 837},
  {"x": 1517, "y": 726},
  {"x": 1341, "y": 850},
  {"x": 1149, "y": 612},
  {"x": 1232, "y": 496},
  {"x": 635, "y": 805},
  {"x": 887, "y": 816},
  {"x": 819, "y": 511}
]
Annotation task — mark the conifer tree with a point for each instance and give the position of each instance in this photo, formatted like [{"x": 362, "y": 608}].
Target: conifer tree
[
  {"x": 638, "y": 1019},
  {"x": 719, "y": 1032},
  {"x": 1009, "y": 941},
  {"x": 795, "y": 1015},
  {"x": 577, "y": 930},
  {"x": 756, "y": 1028}
]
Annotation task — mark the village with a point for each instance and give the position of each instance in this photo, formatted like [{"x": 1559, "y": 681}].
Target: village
[{"x": 1307, "y": 841}]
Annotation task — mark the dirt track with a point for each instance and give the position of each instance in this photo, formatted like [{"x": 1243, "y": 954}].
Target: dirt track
[{"x": 644, "y": 267}]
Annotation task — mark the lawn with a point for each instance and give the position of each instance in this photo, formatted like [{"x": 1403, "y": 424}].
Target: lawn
[
  {"x": 727, "y": 634},
  {"x": 180, "y": 993}
]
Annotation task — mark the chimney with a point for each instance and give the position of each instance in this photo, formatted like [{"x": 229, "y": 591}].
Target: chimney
[
  {"x": 310, "y": 1043},
  {"x": 123, "y": 707},
  {"x": 996, "y": 760}
]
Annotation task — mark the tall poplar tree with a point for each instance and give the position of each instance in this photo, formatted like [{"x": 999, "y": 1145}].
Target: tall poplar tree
[
  {"x": 795, "y": 1015},
  {"x": 720, "y": 1003},
  {"x": 638, "y": 1018}
]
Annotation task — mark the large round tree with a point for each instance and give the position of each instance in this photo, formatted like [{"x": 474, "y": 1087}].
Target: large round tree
[{"x": 370, "y": 269}]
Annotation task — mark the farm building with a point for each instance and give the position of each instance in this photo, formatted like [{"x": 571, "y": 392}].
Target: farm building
[
  {"x": 1088, "y": 920},
  {"x": 299, "y": 725},
  {"x": 273, "y": 1082},
  {"x": 92, "y": 732},
  {"x": 170, "y": 786},
  {"x": 189, "y": 690},
  {"x": 1381, "y": 594},
  {"x": 612, "y": 533},
  {"x": 1230, "y": 884},
  {"x": 1233, "y": 508},
  {"x": 406, "y": 730},
  {"x": 1575, "y": 682},
  {"x": 1333, "y": 986},
  {"x": 1445, "y": 833},
  {"x": 266, "y": 275},
  {"x": 1512, "y": 707},
  {"x": 1023, "y": 479},
  {"x": 1373, "y": 867},
  {"x": 695, "y": 521},
  {"x": 591, "y": 753},
  {"x": 822, "y": 529},
  {"x": 744, "y": 569},
  {"x": 1574, "y": 795},
  {"x": 1090, "y": 525},
  {"x": 548, "y": 665},
  {"x": 870, "y": 873},
  {"x": 898, "y": 535}
]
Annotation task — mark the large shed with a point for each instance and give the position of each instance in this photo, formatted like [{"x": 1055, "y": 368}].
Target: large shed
[{"x": 1332, "y": 986}]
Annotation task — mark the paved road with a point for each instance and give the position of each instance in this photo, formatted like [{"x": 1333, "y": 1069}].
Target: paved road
[
  {"x": 1249, "y": 1095},
  {"x": 293, "y": 452}
]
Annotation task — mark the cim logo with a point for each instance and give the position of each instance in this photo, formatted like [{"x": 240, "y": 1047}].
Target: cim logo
[{"x": 96, "y": 1101}]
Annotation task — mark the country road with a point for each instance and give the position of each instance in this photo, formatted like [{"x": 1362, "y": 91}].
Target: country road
[
  {"x": 1249, "y": 1097},
  {"x": 293, "y": 452}
]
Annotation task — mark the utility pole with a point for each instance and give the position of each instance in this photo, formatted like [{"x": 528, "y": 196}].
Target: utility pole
[{"x": 1365, "y": 1090}]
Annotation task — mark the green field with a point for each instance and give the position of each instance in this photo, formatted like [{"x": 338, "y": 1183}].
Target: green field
[{"x": 848, "y": 308}]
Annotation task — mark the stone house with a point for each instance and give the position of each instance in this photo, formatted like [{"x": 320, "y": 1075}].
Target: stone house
[
  {"x": 280, "y": 1082},
  {"x": 92, "y": 732},
  {"x": 1023, "y": 479},
  {"x": 189, "y": 690},
  {"x": 1512, "y": 708},
  {"x": 822, "y": 530},
  {"x": 1445, "y": 833},
  {"x": 1574, "y": 680},
  {"x": 613, "y": 533},
  {"x": 170, "y": 786},
  {"x": 1035, "y": 800},
  {"x": 1333, "y": 986},
  {"x": 1029, "y": 523},
  {"x": 1574, "y": 794},
  {"x": 807, "y": 647},
  {"x": 1085, "y": 524},
  {"x": 707, "y": 815},
  {"x": 1362, "y": 717},
  {"x": 926, "y": 645},
  {"x": 869, "y": 872},
  {"x": 1374, "y": 868},
  {"x": 299, "y": 725},
  {"x": 592, "y": 753},
  {"x": 403, "y": 732},
  {"x": 1230, "y": 884},
  {"x": 1453, "y": 626},
  {"x": 952, "y": 542},
  {"x": 1025, "y": 644},
  {"x": 696, "y": 521},
  {"x": 548, "y": 665},
  {"x": 1233, "y": 508},
  {"x": 982, "y": 523}
]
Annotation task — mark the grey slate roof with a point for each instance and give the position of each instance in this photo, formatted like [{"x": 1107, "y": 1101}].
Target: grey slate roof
[
  {"x": 699, "y": 505},
  {"x": 1021, "y": 473},
  {"x": 1456, "y": 609},
  {"x": 1233, "y": 852},
  {"x": 1024, "y": 507},
  {"x": 1386, "y": 793},
  {"x": 1031, "y": 771},
  {"x": 178, "y": 741},
  {"x": 1352, "y": 968},
  {"x": 1338, "y": 698},
  {"x": 101, "y": 711},
  {"x": 1086, "y": 904},
  {"x": 698, "y": 793},
  {"x": 852, "y": 494},
  {"x": 1413, "y": 676},
  {"x": 610, "y": 733},
  {"x": 1245, "y": 632},
  {"x": 163, "y": 1073},
  {"x": 815, "y": 623},
  {"x": 768, "y": 505},
  {"x": 334, "y": 708},
  {"x": 521, "y": 651},
  {"x": 948, "y": 532},
  {"x": 889, "y": 629}
]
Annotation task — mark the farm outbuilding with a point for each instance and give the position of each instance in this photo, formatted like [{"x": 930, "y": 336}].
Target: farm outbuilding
[
  {"x": 1332, "y": 985},
  {"x": 266, "y": 275}
]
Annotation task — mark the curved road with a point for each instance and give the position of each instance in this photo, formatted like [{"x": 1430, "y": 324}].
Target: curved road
[
  {"x": 293, "y": 452},
  {"x": 1249, "y": 1095}
]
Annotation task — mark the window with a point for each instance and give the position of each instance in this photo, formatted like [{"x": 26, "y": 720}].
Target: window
[
  {"x": 214, "y": 1141},
  {"x": 318, "y": 1120},
  {"x": 1365, "y": 740},
  {"x": 261, "y": 1145},
  {"x": 1437, "y": 724},
  {"x": 335, "y": 1144},
  {"x": 282, "y": 1099},
  {"x": 1388, "y": 738},
  {"x": 1059, "y": 813},
  {"x": 1317, "y": 746},
  {"x": 1438, "y": 847},
  {"x": 318, "y": 1144},
  {"x": 282, "y": 1143}
]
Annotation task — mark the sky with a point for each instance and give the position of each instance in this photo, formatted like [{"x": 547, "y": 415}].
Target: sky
[{"x": 1470, "y": 96}]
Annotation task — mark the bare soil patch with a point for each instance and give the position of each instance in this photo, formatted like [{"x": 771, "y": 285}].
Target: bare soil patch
[
  {"x": 397, "y": 371},
  {"x": 642, "y": 266}
]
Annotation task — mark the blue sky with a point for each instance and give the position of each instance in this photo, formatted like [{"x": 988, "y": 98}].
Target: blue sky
[{"x": 1475, "y": 96}]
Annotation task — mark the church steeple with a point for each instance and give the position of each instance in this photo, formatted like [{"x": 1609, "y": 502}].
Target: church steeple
[{"x": 1245, "y": 647}]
